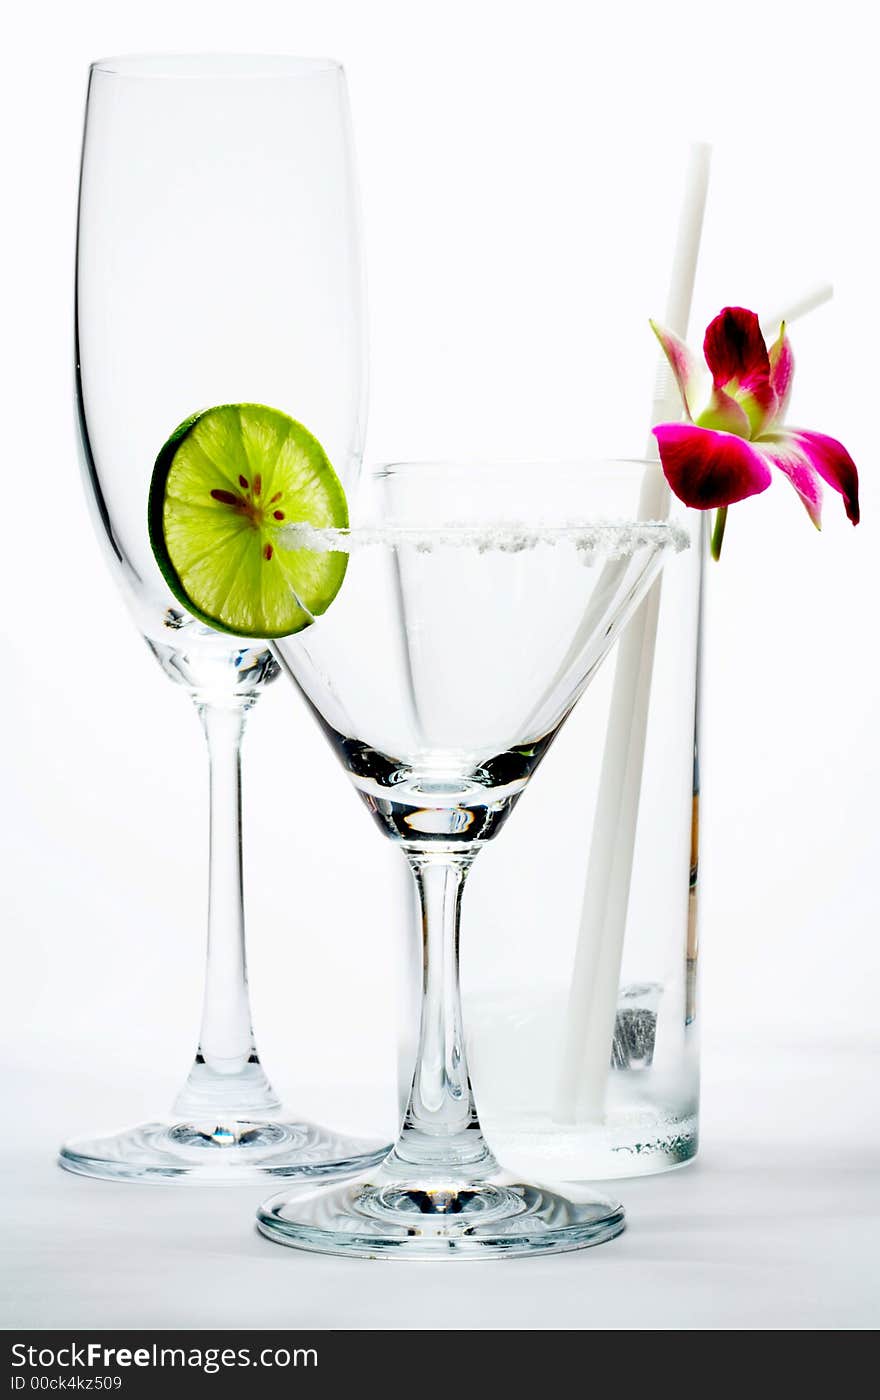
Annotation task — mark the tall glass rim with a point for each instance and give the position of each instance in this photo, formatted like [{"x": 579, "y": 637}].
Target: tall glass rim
[{"x": 193, "y": 67}]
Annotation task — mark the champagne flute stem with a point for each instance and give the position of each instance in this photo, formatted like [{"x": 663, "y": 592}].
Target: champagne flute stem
[{"x": 227, "y": 1076}]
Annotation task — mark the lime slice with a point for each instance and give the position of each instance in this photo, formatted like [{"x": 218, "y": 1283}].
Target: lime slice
[{"x": 225, "y": 485}]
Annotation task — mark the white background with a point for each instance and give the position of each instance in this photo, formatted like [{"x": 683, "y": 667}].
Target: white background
[{"x": 486, "y": 139}]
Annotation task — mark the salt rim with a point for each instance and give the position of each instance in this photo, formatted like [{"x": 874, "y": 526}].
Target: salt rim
[{"x": 614, "y": 539}]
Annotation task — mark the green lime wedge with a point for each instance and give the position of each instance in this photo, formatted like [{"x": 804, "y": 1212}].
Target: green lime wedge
[{"x": 225, "y": 485}]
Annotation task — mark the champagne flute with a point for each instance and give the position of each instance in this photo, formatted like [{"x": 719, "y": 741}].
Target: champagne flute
[{"x": 218, "y": 260}]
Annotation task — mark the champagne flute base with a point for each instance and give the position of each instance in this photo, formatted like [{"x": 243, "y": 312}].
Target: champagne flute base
[{"x": 238, "y": 1149}]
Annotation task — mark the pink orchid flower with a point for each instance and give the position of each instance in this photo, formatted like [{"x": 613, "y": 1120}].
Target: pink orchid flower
[{"x": 725, "y": 452}]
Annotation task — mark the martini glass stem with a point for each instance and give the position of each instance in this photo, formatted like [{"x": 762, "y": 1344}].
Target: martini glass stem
[
  {"x": 441, "y": 1131},
  {"x": 226, "y": 1077}
]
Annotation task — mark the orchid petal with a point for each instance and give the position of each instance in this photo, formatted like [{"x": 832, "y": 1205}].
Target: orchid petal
[
  {"x": 783, "y": 451},
  {"x": 760, "y": 405},
  {"x": 831, "y": 460},
  {"x": 736, "y": 354},
  {"x": 705, "y": 468},
  {"x": 683, "y": 364},
  {"x": 781, "y": 370},
  {"x": 735, "y": 348},
  {"x": 724, "y": 414}
]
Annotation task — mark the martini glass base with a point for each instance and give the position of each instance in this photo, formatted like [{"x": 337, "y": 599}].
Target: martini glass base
[
  {"x": 240, "y": 1149},
  {"x": 382, "y": 1216}
]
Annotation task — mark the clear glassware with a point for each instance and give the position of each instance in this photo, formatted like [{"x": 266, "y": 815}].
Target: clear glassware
[
  {"x": 218, "y": 260},
  {"x": 583, "y": 1075},
  {"x": 478, "y": 605}
]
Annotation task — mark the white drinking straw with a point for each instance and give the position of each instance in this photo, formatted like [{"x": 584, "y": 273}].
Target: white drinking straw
[
  {"x": 808, "y": 302},
  {"x": 592, "y": 1006}
]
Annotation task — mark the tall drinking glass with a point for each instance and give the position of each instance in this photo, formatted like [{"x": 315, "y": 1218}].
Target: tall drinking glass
[{"x": 218, "y": 260}]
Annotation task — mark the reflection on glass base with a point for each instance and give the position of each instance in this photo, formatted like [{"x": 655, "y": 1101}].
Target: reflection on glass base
[
  {"x": 382, "y": 1216},
  {"x": 626, "y": 1144},
  {"x": 237, "y": 1150}
]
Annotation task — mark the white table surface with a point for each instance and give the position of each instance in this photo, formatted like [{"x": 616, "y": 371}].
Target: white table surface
[{"x": 776, "y": 1226}]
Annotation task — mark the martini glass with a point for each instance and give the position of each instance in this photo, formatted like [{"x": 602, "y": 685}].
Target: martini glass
[
  {"x": 440, "y": 675},
  {"x": 218, "y": 260}
]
